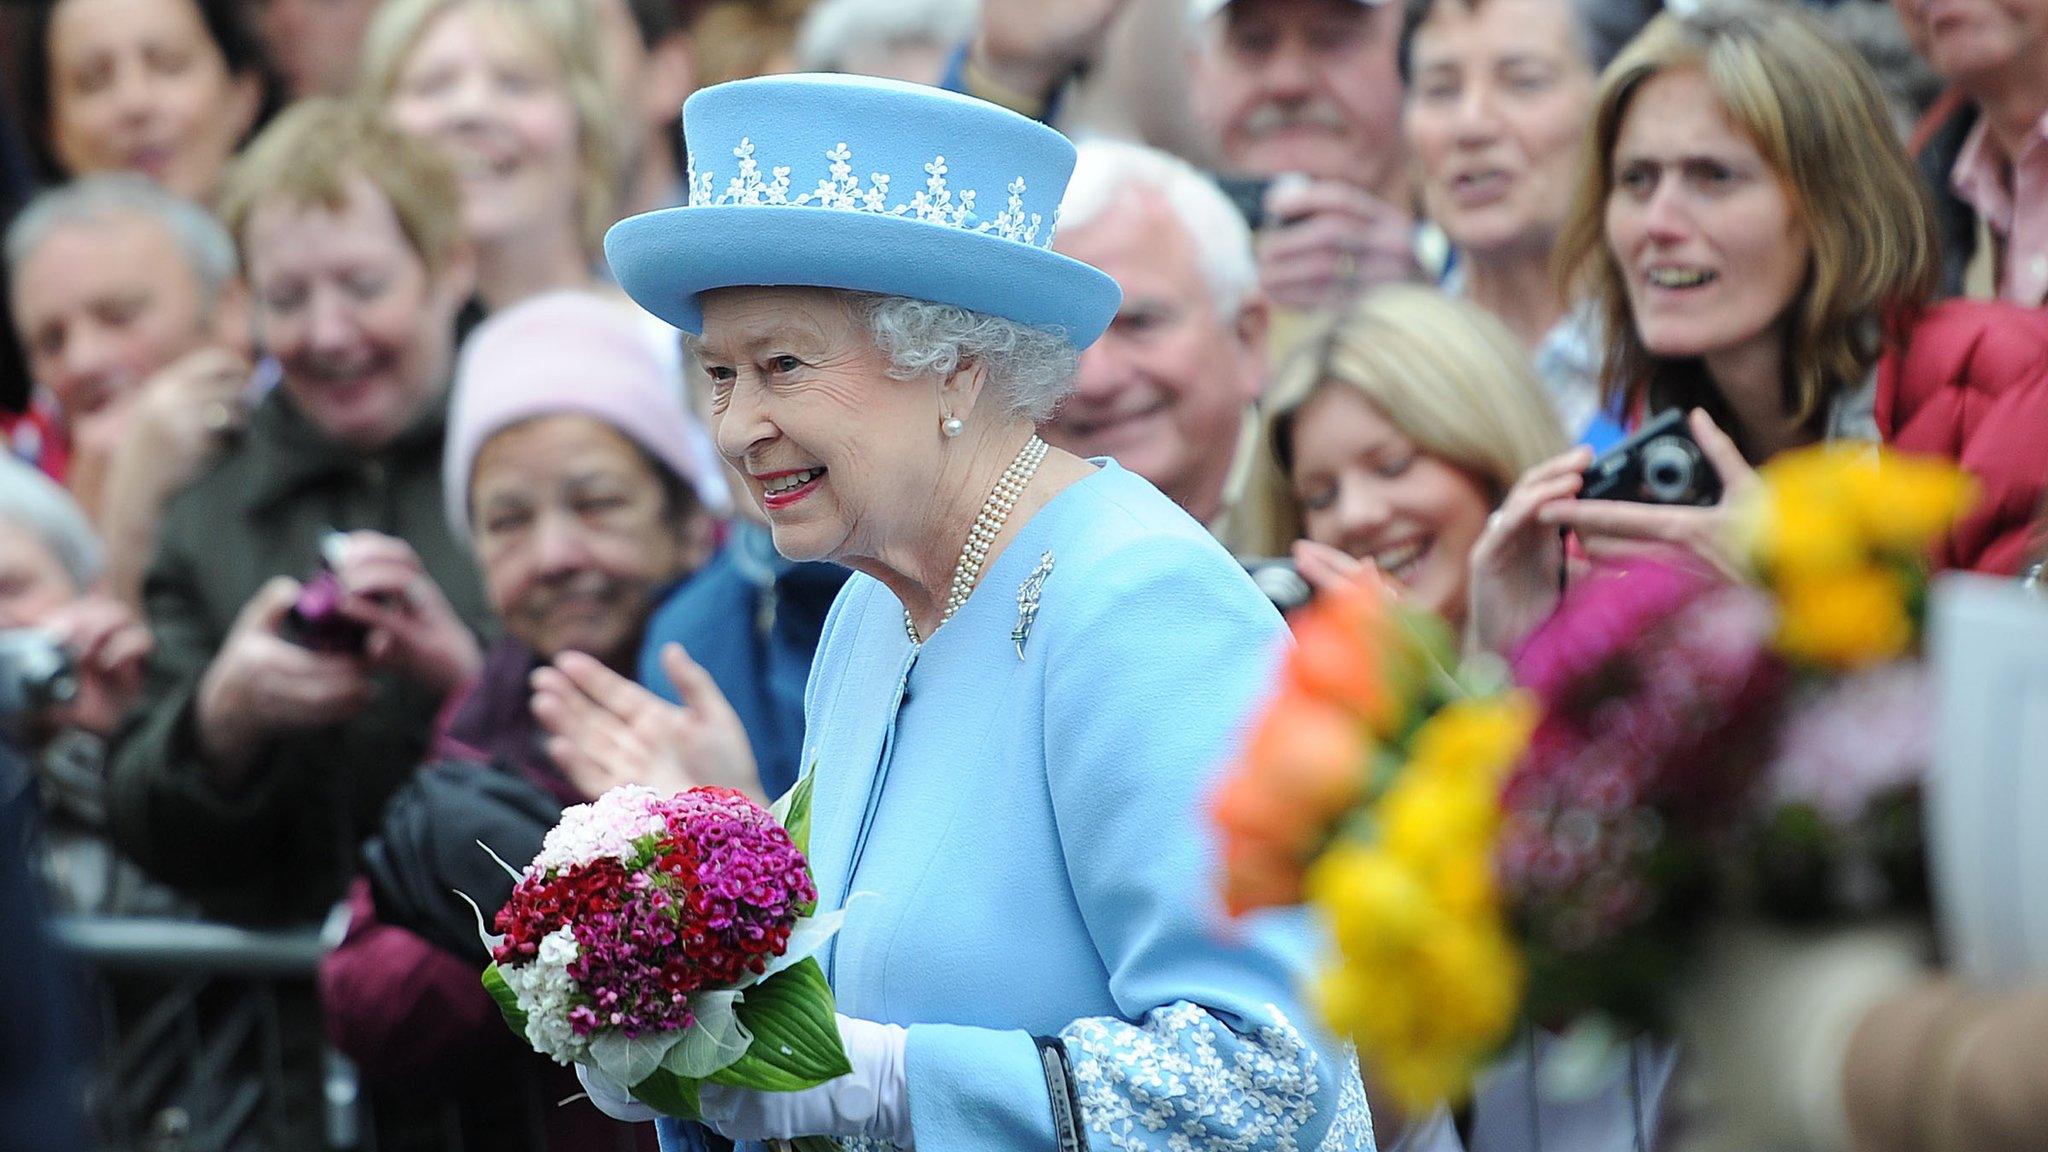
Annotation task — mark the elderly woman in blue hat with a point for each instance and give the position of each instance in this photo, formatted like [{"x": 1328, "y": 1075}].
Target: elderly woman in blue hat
[{"x": 1022, "y": 694}]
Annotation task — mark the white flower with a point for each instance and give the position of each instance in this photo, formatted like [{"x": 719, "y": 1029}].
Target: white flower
[
  {"x": 607, "y": 827},
  {"x": 545, "y": 989}
]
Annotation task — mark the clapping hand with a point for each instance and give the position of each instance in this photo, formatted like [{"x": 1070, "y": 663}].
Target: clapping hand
[{"x": 604, "y": 730}]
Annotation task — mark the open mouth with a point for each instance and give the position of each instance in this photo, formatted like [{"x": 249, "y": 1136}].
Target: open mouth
[
  {"x": 1483, "y": 187},
  {"x": 1678, "y": 279},
  {"x": 782, "y": 489},
  {"x": 1401, "y": 561}
]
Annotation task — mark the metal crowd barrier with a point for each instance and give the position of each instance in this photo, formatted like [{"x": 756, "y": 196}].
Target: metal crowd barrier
[{"x": 206, "y": 1038}]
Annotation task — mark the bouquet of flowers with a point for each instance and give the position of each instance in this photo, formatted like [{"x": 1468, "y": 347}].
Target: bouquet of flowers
[
  {"x": 1484, "y": 857},
  {"x": 663, "y": 941},
  {"x": 1837, "y": 538},
  {"x": 1369, "y": 788}
]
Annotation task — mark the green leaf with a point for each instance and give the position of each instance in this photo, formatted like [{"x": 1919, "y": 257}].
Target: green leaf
[
  {"x": 631, "y": 1059},
  {"x": 506, "y": 999},
  {"x": 714, "y": 1039},
  {"x": 815, "y": 1144},
  {"x": 794, "y": 812},
  {"x": 796, "y": 1038},
  {"x": 669, "y": 1094}
]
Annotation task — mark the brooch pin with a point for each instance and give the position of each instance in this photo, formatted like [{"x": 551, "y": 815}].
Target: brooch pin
[{"x": 1027, "y": 601}]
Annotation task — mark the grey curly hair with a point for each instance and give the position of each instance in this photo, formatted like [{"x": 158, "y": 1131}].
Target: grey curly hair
[{"x": 1031, "y": 369}]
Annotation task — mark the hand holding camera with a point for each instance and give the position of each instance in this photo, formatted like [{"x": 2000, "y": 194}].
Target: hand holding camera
[
  {"x": 1667, "y": 486},
  {"x": 379, "y": 599},
  {"x": 262, "y": 684}
]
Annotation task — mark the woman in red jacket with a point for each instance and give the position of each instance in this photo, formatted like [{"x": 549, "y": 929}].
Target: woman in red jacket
[{"x": 1762, "y": 252}]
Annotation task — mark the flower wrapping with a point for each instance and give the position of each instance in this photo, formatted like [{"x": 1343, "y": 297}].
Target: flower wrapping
[{"x": 665, "y": 940}]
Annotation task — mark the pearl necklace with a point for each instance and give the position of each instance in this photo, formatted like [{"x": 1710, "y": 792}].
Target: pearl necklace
[{"x": 995, "y": 511}]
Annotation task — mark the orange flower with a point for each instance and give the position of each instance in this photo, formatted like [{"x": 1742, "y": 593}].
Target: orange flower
[
  {"x": 1338, "y": 645},
  {"x": 1312, "y": 754}
]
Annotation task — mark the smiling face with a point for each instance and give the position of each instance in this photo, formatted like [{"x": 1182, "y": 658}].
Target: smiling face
[
  {"x": 575, "y": 535},
  {"x": 361, "y": 329},
  {"x": 838, "y": 456},
  {"x": 1499, "y": 100},
  {"x": 1710, "y": 245},
  {"x": 1307, "y": 86},
  {"x": 1165, "y": 390},
  {"x": 1364, "y": 488},
  {"x": 495, "y": 101},
  {"x": 140, "y": 86},
  {"x": 101, "y": 305}
]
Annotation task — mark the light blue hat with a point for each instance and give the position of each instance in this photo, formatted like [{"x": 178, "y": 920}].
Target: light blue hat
[{"x": 870, "y": 185}]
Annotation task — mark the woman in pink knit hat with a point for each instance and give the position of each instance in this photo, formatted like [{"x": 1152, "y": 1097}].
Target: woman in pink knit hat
[{"x": 568, "y": 469}]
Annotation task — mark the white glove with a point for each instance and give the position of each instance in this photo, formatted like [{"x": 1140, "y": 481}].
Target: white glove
[
  {"x": 870, "y": 1101},
  {"x": 611, "y": 1101}
]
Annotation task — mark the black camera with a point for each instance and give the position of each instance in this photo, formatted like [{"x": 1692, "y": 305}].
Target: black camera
[
  {"x": 1660, "y": 464},
  {"x": 316, "y": 621},
  {"x": 1280, "y": 580},
  {"x": 36, "y": 673}
]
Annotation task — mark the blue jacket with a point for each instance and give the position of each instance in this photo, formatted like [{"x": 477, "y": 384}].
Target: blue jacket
[{"x": 1029, "y": 821}]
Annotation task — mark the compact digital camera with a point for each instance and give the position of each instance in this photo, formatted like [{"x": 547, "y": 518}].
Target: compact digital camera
[
  {"x": 316, "y": 621},
  {"x": 36, "y": 673},
  {"x": 1280, "y": 580},
  {"x": 1660, "y": 464}
]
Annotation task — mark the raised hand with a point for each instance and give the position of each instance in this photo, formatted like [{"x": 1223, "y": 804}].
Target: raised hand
[{"x": 604, "y": 730}]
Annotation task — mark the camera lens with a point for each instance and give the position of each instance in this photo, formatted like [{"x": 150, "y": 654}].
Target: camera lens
[{"x": 1669, "y": 467}]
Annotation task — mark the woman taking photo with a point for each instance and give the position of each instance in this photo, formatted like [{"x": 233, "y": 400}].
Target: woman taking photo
[
  {"x": 1397, "y": 429},
  {"x": 1023, "y": 690},
  {"x": 254, "y": 761},
  {"x": 1761, "y": 254}
]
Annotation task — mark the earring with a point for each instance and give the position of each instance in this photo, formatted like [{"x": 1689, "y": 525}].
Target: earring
[{"x": 952, "y": 426}]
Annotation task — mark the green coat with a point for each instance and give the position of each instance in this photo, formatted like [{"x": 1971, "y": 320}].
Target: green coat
[{"x": 281, "y": 846}]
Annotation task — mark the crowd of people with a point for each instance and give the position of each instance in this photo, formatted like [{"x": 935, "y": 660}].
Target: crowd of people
[{"x": 383, "y": 506}]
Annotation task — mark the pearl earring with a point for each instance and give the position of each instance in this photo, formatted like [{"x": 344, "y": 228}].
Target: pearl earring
[{"x": 952, "y": 427}]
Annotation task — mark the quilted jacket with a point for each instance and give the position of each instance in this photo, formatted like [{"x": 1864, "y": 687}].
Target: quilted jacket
[{"x": 1969, "y": 380}]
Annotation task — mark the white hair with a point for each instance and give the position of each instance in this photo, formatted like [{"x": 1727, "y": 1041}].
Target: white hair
[
  {"x": 1031, "y": 369},
  {"x": 1106, "y": 170},
  {"x": 41, "y": 507},
  {"x": 206, "y": 246},
  {"x": 836, "y": 33}
]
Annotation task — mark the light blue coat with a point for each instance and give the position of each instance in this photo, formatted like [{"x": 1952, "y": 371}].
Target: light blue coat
[{"x": 1027, "y": 844}]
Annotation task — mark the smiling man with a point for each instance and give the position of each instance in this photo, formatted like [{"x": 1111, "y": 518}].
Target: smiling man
[{"x": 1168, "y": 391}]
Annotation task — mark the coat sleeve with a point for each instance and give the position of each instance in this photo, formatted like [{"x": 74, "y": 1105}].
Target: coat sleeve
[
  {"x": 406, "y": 1011},
  {"x": 165, "y": 807},
  {"x": 1211, "y": 1049}
]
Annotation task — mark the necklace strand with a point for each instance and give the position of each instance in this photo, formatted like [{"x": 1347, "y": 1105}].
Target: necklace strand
[{"x": 995, "y": 512}]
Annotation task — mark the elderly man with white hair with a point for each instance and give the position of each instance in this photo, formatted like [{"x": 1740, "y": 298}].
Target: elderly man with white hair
[
  {"x": 1169, "y": 391},
  {"x": 1303, "y": 97}
]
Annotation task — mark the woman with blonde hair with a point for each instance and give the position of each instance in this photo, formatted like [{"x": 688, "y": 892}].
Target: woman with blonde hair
[
  {"x": 1762, "y": 254},
  {"x": 514, "y": 92},
  {"x": 1397, "y": 429}
]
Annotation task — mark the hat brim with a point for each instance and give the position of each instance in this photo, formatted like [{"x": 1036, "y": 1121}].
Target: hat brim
[{"x": 664, "y": 259}]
